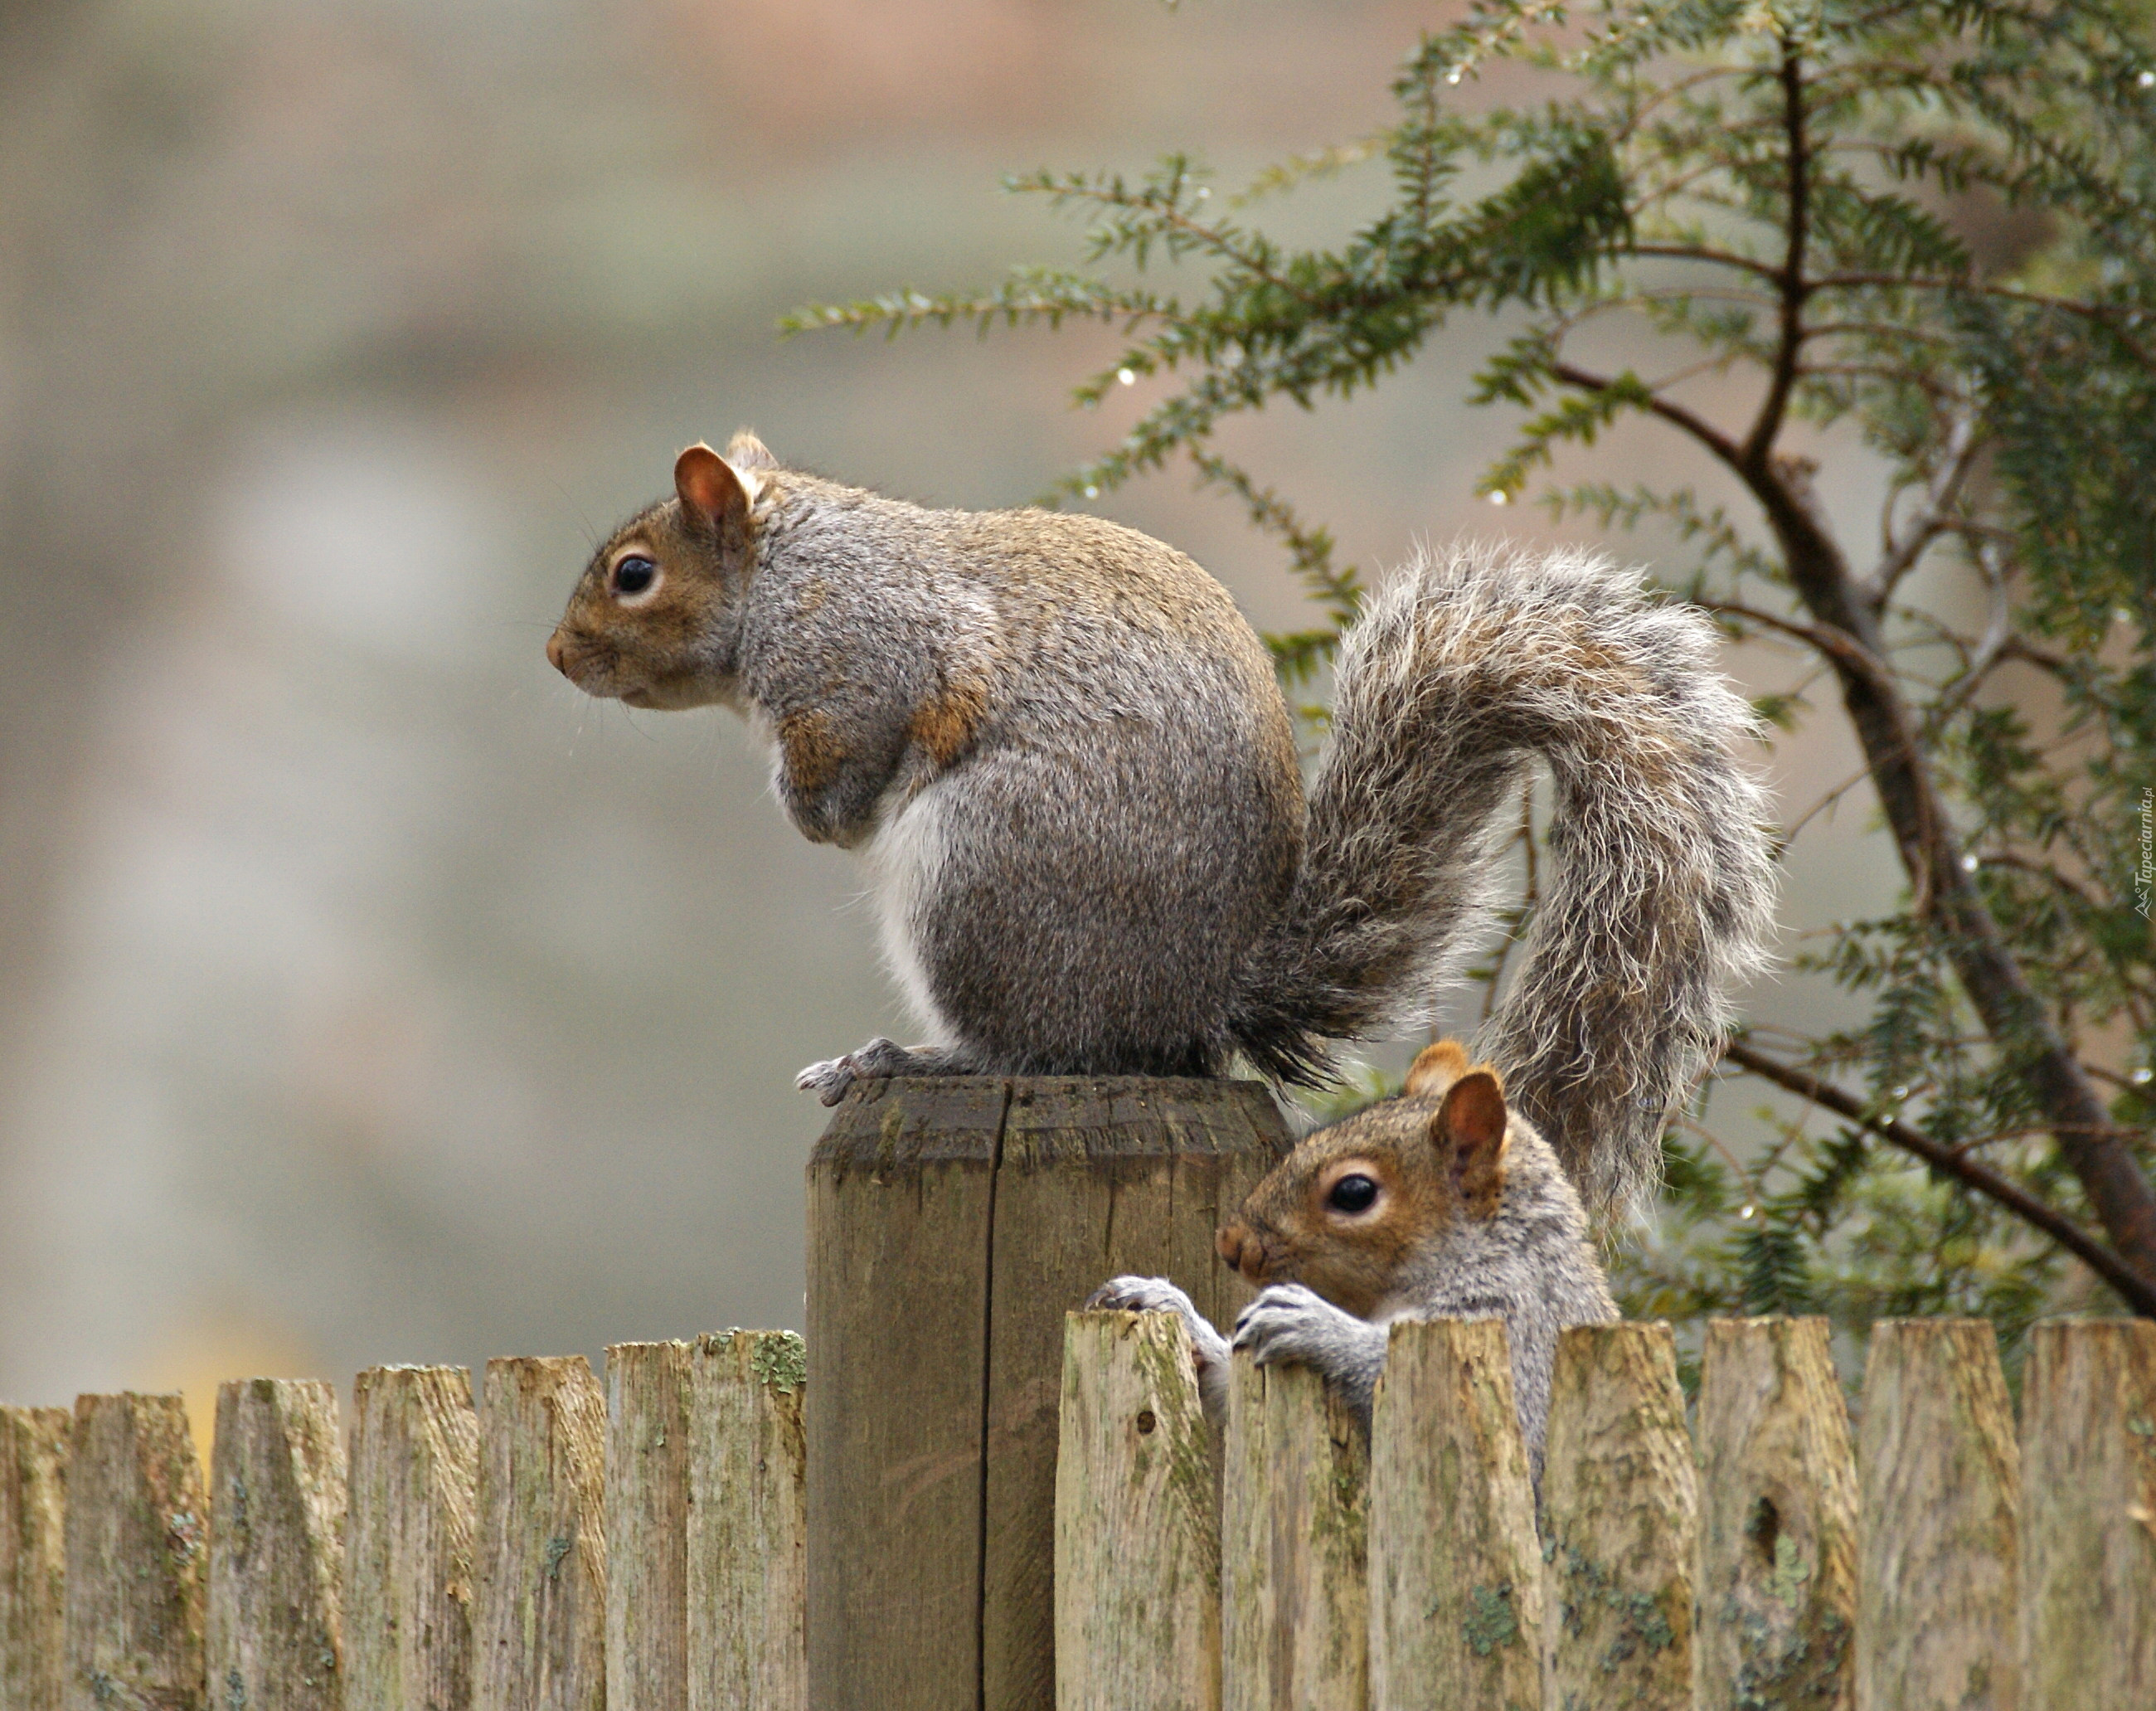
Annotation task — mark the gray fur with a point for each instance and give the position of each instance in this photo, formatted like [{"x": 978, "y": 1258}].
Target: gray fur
[
  {"x": 1462, "y": 672},
  {"x": 1120, "y": 827}
]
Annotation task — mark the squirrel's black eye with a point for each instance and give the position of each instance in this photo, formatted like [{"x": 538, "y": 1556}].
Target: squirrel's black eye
[
  {"x": 634, "y": 575},
  {"x": 1353, "y": 1194}
]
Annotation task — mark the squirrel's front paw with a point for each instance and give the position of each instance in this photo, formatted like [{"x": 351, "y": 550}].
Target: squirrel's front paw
[
  {"x": 1292, "y": 1323},
  {"x": 828, "y": 1080},
  {"x": 1208, "y": 1347}
]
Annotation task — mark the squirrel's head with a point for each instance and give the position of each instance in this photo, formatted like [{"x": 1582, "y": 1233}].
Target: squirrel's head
[
  {"x": 1346, "y": 1210},
  {"x": 650, "y": 622}
]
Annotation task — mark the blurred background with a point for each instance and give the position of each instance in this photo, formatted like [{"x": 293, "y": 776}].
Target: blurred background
[{"x": 366, "y": 994}]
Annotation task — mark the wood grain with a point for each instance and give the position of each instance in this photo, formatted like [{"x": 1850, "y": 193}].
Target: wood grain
[
  {"x": 276, "y": 1548},
  {"x": 1137, "y": 1546},
  {"x": 408, "y": 1540},
  {"x": 1094, "y": 1178},
  {"x": 647, "y": 1527},
  {"x": 34, "y": 1463},
  {"x": 539, "y": 1628},
  {"x": 953, "y": 1221},
  {"x": 137, "y": 1531},
  {"x": 1455, "y": 1567},
  {"x": 2088, "y": 1536},
  {"x": 899, "y": 1189},
  {"x": 1775, "y": 1592},
  {"x": 1940, "y": 1486},
  {"x": 748, "y": 1532},
  {"x": 1622, "y": 1515},
  {"x": 1295, "y": 1596}
]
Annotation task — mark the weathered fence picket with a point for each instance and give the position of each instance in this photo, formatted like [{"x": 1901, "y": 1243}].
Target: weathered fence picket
[
  {"x": 1294, "y": 1572},
  {"x": 1775, "y": 1592},
  {"x": 1940, "y": 1492},
  {"x": 647, "y": 1527},
  {"x": 409, "y": 1539},
  {"x": 1455, "y": 1567},
  {"x": 1137, "y": 1568},
  {"x": 2088, "y": 1537},
  {"x": 1620, "y": 1511},
  {"x": 556, "y": 1554},
  {"x": 748, "y": 1529},
  {"x": 539, "y": 1630},
  {"x": 275, "y": 1633},
  {"x": 136, "y": 1527},
  {"x": 34, "y": 1461}
]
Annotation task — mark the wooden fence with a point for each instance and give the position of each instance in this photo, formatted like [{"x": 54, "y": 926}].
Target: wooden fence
[{"x": 642, "y": 1547}]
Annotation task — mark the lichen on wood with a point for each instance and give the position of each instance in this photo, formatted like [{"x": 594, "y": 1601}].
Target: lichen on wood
[
  {"x": 1621, "y": 1509},
  {"x": 33, "y": 1469},
  {"x": 539, "y": 1629},
  {"x": 1455, "y": 1567},
  {"x": 1296, "y": 1606},
  {"x": 748, "y": 1532},
  {"x": 409, "y": 1532},
  {"x": 1137, "y": 1545},
  {"x": 275, "y": 1636},
  {"x": 1774, "y": 1599},
  {"x": 137, "y": 1532}
]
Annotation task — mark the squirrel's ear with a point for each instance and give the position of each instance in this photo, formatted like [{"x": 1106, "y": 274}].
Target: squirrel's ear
[
  {"x": 1437, "y": 1067},
  {"x": 709, "y": 486},
  {"x": 745, "y": 451},
  {"x": 1471, "y": 1126}
]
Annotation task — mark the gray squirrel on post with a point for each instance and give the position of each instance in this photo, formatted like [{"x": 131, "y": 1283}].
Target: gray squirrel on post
[{"x": 1064, "y": 759}]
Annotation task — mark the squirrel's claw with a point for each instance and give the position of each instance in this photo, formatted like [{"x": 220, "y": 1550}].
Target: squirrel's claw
[
  {"x": 828, "y": 1080},
  {"x": 1141, "y": 1295},
  {"x": 1208, "y": 1347},
  {"x": 1293, "y": 1322}
]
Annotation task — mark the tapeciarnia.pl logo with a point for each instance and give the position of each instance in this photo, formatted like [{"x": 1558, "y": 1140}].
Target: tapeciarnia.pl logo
[{"x": 2144, "y": 876}]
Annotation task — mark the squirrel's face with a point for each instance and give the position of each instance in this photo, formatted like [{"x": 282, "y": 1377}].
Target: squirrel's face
[
  {"x": 650, "y": 621},
  {"x": 1345, "y": 1211}
]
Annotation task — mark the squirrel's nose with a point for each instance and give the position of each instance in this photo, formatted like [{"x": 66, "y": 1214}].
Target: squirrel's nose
[
  {"x": 1239, "y": 1245},
  {"x": 554, "y": 653}
]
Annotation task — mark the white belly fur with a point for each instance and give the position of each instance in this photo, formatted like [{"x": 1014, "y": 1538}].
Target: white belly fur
[{"x": 903, "y": 859}]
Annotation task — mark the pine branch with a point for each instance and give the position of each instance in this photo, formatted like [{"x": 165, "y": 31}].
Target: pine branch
[{"x": 2137, "y": 1291}]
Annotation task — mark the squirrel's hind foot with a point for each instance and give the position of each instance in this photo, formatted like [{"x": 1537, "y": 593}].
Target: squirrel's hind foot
[{"x": 879, "y": 1058}]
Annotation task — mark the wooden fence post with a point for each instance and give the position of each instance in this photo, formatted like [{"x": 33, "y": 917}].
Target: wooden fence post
[
  {"x": 1775, "y": 1595},
  {"x": 1622, "y": 1520},
  {"x": 34, "y": 1462},
  {"x": 647, "y": 1527},
  {"x": 1938, "y": 1522},
  {"x": 1137, "y": 1540},
  {"x": 408, "y": 1570},
  {"x": 135, "y": 1526},
  {"x": 1294, "y": 1572},
  {"x": 2088, "y": 1520},
  {"x": 952, "y": 1222},
  {"x": 749, "y": 1535},
  {"x": 276, "y": 1548},
  {"x": 539, "y": 1633},
  {"x": 1456, "y": 1566}
]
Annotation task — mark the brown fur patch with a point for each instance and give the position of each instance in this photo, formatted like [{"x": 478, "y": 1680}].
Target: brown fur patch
[
  {"x": 812, "y": 750},
  {"x": 1436, "y": 1067},
  {"x": 943, "y": 726}
]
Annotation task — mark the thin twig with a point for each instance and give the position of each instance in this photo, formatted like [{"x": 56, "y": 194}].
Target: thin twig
[{"x": 2135, "y": 1290}]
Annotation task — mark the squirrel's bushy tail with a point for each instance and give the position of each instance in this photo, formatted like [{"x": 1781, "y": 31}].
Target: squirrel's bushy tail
[{"x": 1461, "y": 671}]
